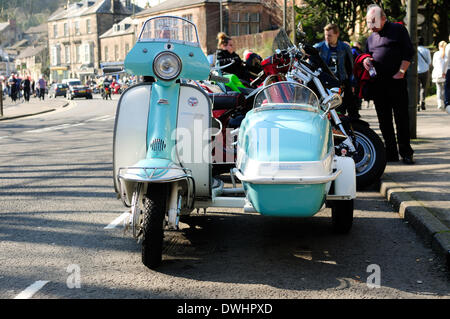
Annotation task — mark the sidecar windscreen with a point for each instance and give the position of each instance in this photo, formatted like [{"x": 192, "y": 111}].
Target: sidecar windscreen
[
  {"x": 169, "y": 29},
  {"x": 286, "y": 94}
]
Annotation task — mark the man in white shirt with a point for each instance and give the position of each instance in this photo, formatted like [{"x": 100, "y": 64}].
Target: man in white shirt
[
  {"x": 447, "y": 78},
  {"x": 423, "y": 71}
]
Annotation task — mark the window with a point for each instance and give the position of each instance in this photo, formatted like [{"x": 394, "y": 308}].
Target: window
[
  {"x": 243, "y": 23},
  {"x": 78, "y": 53},
  {"x": 88, "y": 26},
  {"x": 67, "y": 53},
  {"x": 87, "y": 53},
  {"x": 127, "y": 48},
  {"x": 116, "y": 52},
  {"x": 106, "y": 58},
  {"x": 55, "y": 30},
  {"x": 66, "y": 29},
  {"x": 77, "y": 27},
  {"x": 56, "y": 55},
  {"x": 187, "y": 29}
]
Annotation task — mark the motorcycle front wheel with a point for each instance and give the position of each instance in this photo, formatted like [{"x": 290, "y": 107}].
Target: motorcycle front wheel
[
  {"x": 370, "y": 157},
  {"x": 154, "y": 212}
]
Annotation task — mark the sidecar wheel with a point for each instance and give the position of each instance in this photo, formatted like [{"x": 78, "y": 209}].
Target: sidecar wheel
[
  {"x": 154, "y": 212},
  {"x": 342, "y": 216},
  {"x": 370, "y": 159}
]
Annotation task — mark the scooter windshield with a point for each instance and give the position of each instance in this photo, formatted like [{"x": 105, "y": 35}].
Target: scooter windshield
[
  {"x": 286, "y": 94},
  {"x": 169, "y": 29}
]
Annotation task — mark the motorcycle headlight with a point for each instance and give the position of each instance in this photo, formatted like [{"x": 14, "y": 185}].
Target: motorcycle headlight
[{"x": 167, "y": 66}]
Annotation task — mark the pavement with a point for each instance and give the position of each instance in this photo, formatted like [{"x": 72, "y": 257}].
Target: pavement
[
  {"x": 20, "y": 108},
  {"x": 420, "y": 193}
]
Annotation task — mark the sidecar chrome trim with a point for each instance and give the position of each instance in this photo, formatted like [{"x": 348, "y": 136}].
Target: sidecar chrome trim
[{"x": 288, "y": 180}]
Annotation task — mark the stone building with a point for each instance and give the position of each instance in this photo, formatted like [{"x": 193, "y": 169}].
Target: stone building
[
  {"x": 32, "y": 61},
  {"x": 237, "y": 18},
  {"x": 74, "y": 36},
  {"x": 118, "y": 41},
  {"x": 8, "y": 33}
]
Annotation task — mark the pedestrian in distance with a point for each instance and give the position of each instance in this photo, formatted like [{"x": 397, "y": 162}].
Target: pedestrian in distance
[
  {"x": 27, "y": 89},
  {"x": 42, "y": 85},
  {"x": 391, "y": 49},
  {"x": 12, "y": 83},
  {"x": 438, "y": 74},
  {"x": 339, "y": 58},
  {"x": 423, "y": 71},
  {"x": 447, "y": 78}
]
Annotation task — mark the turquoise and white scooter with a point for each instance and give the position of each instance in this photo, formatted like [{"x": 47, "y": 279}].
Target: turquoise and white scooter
[{"x": 163, "y": 144}]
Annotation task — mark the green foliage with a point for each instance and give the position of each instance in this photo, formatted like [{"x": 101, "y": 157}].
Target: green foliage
[
  {"x": 28, "y": 13},
  {"x": 346, "y": 13}
]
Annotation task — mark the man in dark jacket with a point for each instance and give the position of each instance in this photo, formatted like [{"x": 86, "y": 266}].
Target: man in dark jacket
[
  {"x": 338, "y": 56},
  {"x": 392, "y": 52}
]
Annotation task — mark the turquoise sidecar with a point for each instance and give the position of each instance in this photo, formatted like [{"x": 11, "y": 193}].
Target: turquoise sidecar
[{"x": 286, "y": 152}]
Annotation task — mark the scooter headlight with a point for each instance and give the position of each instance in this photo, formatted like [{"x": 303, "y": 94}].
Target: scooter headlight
[{"x": 167, "y": 66}]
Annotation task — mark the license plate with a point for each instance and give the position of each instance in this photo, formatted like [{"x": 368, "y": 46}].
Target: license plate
[{"x": 82, "y": 91}]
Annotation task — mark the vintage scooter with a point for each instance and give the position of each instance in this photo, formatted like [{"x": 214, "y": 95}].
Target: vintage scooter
[{"x": 162, "y": 150}]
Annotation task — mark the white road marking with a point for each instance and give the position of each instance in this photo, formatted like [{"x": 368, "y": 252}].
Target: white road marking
[
  {"x": 64, "y": 126},
  {"x": 31, "y": 290},
  {"x": 118, "y": 221}
]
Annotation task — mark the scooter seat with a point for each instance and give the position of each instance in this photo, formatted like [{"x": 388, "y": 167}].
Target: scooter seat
[{"x": 226, "y": 101}]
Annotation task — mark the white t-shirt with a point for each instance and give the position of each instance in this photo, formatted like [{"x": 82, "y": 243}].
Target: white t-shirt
[{"x": 439, "y": 67}]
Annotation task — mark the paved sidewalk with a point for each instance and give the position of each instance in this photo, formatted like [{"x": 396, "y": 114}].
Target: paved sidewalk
[
  {"x": 35, "y": 106},
  {"x": 421, "y": 192}
]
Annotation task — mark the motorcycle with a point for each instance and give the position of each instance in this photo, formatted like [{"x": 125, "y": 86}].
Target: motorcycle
[
  {"x": 106, "y": 91},
  {"x": 353, "y": 137},
  {"x": 162, "y": 150}
]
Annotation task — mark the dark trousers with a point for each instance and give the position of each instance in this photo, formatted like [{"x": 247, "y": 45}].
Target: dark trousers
[
  {"x": 349, "y": 104},
  {"x": 423, "y": 79},
  {"x": 391, "y": 97},
  {"x": 26, "y": 94},
  {"x": 447, "y": 88}
]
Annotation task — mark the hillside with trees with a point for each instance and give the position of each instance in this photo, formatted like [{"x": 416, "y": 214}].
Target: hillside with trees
[{"x": 28, "y": 13}]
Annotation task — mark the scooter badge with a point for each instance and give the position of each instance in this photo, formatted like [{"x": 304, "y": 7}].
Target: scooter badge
[{"x": 193, "y": 101}]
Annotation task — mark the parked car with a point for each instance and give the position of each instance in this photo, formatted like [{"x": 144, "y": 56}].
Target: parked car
[
  {"x": 58, "y": 89},
  {"x": 77, "y": 89}
]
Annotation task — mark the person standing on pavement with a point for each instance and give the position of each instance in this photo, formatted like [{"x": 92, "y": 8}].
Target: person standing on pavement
[
  {"x": 438, "y": 75},
  {"x": 12, "y": 82},
  {"x": 447, "y": 78},
  {"x": 42, "y": 86},
  {"x": 392, "y": 52},
  {"x": 339, "y": 58},
  {"x": 26, "y": 89},
  {"x": 423, "y": 72}
]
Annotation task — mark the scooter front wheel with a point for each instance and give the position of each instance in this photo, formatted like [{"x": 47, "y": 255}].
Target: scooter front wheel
[{"x": 154, "y": 212}]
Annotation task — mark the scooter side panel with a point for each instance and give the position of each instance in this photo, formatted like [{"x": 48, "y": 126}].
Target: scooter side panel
[
  {"x": 194, "y": 136},
  {"x": 130, "y": 130}
]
